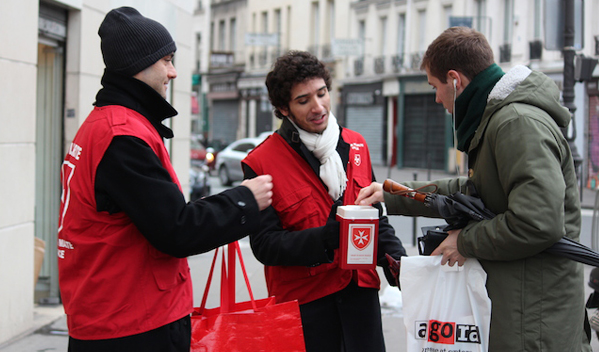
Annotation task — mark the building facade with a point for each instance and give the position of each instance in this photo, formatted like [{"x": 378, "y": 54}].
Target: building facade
[
  {"x": 52, "y": 63},
  {"x": 373, "y": 49},
  {"x": 415, "y": 132},
  {"x": 226, "y": 62},
  {"x": 282, "y": 25},
  {"x": 246, "y": 37}
]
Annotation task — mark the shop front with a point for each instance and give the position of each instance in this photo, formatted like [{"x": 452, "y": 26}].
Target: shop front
[{"x": 364, "y": 107}]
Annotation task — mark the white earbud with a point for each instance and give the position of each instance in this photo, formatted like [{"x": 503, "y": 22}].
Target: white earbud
[{"x": 455, "y": 82}]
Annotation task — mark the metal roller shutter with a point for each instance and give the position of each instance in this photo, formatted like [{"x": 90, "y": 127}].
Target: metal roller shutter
[
  {"x": 424, "y": 133},
  {"x": 368, "y": 121},
  {"x": 225, "y": 119}
]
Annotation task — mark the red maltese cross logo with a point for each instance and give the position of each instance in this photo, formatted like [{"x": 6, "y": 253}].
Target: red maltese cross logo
[{"x": 361, "y": 237}]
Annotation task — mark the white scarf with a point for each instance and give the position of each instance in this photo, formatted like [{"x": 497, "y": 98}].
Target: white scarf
[{"x": 324, "y": 147}]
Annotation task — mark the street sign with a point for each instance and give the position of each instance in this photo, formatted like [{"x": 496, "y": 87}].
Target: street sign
[
  {"x": 262, "y": 39},
  {"x": 348, "y": 47},
  {"x": 460, "y": 21}
]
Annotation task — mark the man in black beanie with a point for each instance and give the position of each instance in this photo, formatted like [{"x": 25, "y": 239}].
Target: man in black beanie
[{"x": 125, "y": 228}]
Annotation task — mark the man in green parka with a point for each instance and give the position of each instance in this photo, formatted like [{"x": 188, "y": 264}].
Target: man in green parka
[{"x": 522, "y": 168}]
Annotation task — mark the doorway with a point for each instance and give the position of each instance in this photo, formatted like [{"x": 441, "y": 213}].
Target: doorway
[{"x": 50, "y": 93}]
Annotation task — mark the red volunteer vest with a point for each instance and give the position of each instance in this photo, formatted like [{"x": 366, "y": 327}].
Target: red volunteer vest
[
  {"x": 113, "y": 283},
  {"x": 302, "y": 202}
]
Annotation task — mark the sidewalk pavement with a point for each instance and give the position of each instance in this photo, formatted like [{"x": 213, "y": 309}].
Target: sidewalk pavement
[{"x": 49, "y": 330}]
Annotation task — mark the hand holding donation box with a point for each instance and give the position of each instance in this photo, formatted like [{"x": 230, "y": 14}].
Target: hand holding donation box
[{"x": 358, "y": 236}]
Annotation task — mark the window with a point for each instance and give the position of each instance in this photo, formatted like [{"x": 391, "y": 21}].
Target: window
[
  {"x": 278, "y": 21},
  {"x": 482, "y": 22},
  {"x": 448, "y": 10},
  {"x": 538, "y": 22},
  {"x": 264, "y": 22},
  {"x": 362, "y": 30},
  {"x": 383, "y": 36},
  {"x": 315, "y": 24},
  {"x": 331, "y": 6},
  {"x": 421, "y": 31},
  {"x": 212, "y": 34},
  {"x": 288, "y": 29},
  {"x": 244, "y": 147},
  {"x": 508, "y": 21},
  {"x": 221, "y": 35},
  {"x": 198, "y": 51},
  {"x": 401, "y": 33},
  {"x": 233, "y": 34},
  {"x": 278, "y": 29}
]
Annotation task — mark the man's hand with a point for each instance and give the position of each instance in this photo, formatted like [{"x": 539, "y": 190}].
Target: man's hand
[
  {"x": 371, "y": 194},
  {"x": 261, "y": 187},
  {"x": 449, "y": 249},
  {"x": 394, "y": 268}
]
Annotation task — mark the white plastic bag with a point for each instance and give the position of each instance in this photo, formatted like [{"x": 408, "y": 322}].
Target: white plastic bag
[{"x": 445, "y": 309}]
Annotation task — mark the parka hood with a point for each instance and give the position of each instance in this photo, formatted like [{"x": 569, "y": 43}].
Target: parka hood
[{"x": 523, "y": 85}]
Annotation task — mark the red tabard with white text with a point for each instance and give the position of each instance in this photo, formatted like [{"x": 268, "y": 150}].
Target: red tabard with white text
[{"x": 358, "y": 236}]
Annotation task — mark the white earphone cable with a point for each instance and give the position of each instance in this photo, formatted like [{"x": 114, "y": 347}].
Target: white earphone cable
[{"x": 455, "y": 136}]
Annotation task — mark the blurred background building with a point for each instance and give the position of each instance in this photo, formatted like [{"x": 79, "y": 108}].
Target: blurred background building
[
  {"x": 384, "y": 88},
  {"x": 51, "y": 66},
  {"x": 373, "y": 49}
]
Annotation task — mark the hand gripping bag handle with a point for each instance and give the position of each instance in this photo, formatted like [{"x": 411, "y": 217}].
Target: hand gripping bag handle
[{"x": 227, "y": 289}]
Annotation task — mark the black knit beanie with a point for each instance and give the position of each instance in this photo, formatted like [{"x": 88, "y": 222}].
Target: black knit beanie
[{"x": 132, "y": 42}]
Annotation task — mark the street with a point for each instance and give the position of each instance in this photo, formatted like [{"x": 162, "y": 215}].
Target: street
[{"x": 51, "y": 333}]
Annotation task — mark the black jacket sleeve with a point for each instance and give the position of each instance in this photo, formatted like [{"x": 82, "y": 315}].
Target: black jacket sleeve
[
  {"x": 273, "y": 245},
  {"x": 388, "y": 243},
  {"x": 131, "y": 179}
]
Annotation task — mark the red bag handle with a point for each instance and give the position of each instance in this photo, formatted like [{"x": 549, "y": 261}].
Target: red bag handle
[
  {"x": 208, "y": 282},
  {"x": 227, "y": 283}
]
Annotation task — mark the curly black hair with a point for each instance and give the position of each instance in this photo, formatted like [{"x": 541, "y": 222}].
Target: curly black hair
[{"x": 292, "y": 68}]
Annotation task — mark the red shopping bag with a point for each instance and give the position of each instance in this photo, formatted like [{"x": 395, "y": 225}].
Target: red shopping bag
[{"x": 255, "y": 325}]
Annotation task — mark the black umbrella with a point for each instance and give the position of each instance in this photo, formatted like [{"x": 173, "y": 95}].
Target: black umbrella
[
  {"x": 458, "y": 209},
  {"x": 571, "y": 249}
]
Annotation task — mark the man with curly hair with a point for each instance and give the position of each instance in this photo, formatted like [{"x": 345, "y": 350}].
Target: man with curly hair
[{"x": 316, "y": 165}]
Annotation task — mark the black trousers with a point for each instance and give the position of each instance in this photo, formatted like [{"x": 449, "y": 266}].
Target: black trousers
[
  {"x": 346, "y": 321},
  {"x": 173, "y": 337}
]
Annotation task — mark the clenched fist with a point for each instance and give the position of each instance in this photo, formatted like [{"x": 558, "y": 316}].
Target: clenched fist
[{"x": 261, "y": 187}]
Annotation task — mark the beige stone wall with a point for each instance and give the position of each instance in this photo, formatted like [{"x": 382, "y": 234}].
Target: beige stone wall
[
  {"x": 83, "y": 70},
  {"x": 18, "y": 59}
]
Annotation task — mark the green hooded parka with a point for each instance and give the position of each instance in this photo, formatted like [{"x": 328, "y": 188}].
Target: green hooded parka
[{"x": 522, "y": 168}]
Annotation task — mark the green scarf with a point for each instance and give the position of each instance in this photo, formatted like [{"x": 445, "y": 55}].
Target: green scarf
[{"x": 470, "y": 105}]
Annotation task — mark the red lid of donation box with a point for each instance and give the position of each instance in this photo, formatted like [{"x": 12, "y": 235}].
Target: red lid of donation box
[{"x": 358, "y": 236}]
